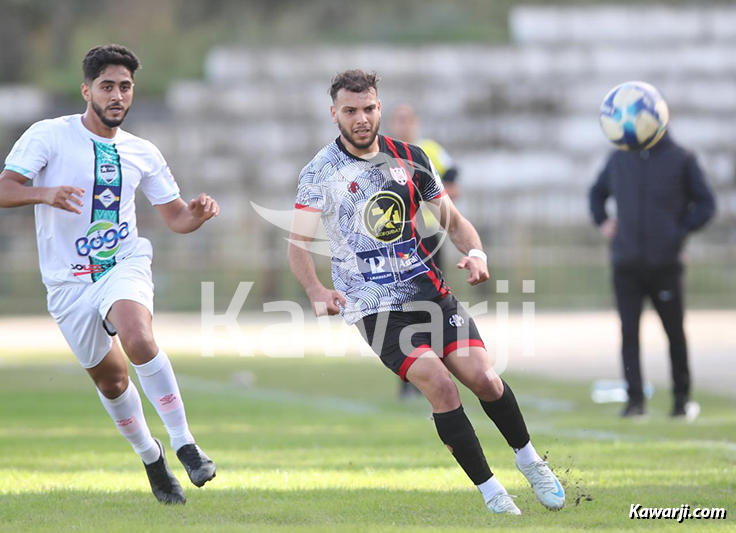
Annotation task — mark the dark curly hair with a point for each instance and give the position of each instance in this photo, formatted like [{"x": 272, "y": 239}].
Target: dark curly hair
[
  {"x": 355, "y": 81},
  {"x": 100, "y": 57}
]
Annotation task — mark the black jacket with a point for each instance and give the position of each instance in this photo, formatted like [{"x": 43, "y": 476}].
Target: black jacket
[{"x": 661, "y": 196}]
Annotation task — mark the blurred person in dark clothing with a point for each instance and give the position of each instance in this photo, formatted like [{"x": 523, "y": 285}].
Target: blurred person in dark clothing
[{"x": 661, "y": 197}]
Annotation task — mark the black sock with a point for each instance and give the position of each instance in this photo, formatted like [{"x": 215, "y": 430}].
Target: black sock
[
  {"x": 507, "y": 416},
  {"x": 459, "y": 436}
]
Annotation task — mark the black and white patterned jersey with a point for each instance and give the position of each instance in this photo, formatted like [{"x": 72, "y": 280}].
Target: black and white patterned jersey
[{"x": 369, "y": 209}]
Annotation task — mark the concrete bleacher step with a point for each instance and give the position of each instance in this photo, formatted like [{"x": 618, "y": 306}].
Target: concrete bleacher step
[
  {"x": 622, "y": 24},
  {"x": 296, "y": 68}
]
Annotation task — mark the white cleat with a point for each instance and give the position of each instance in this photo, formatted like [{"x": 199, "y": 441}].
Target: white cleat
[
  {"x": 692, "y": 411},
  {"x": 544, "y": 484},
  {"x": 503, "y": 503}
]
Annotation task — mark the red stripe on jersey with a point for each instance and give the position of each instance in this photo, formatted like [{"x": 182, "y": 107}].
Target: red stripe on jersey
[
  {"x": 307, "y": 208},
  {"x": 432, "y": 275},
  {"x": 400, "y": 160},
  {"x": 409, "y": 181},
  {"x": 412, "y": 213},
  {"x": 408, "y": 153},
  {"x": 411, "y": 358}
]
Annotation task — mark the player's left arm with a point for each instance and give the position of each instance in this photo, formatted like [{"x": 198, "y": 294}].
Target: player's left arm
[
  {"x": 182, "y": 217},
  {"x": 702, "y": 206},
  {"x": 465, "y": 238}
]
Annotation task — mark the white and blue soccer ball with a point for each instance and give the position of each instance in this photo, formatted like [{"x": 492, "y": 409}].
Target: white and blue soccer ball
[{"x": 634, "y": 116}]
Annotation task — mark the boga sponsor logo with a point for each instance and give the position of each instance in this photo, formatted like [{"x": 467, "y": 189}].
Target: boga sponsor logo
[
  {"x": 383, "y": 216},
  {"x": 102, "y": 240}
]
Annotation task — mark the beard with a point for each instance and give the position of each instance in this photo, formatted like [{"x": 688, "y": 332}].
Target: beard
[
  {"x": 109, "y": 122},
  {"x": 360, "y": 145}
]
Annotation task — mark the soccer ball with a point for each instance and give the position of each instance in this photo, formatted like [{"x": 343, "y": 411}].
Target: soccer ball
[{"x": 634, "y": 116}]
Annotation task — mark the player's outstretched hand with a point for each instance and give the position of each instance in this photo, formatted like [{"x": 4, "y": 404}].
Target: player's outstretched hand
[
  {"x": 204, "y": 207},
  {"x": 326, "y": 302},
  {"x": 65, "y": 197},
  {"x": 478, "y": 269}
]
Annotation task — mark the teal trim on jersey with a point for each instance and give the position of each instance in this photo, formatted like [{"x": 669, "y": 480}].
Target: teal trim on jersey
[
  {"x": 105, "y": 214},
  {"x": 18, "y": 170},
  {"x": 107, "y": 161}
]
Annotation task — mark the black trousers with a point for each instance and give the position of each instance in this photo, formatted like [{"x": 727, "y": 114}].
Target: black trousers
[{"x": 664, "y": 287}]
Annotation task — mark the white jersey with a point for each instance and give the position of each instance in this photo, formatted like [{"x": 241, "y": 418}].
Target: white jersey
[{"x": 62, "y": 151}]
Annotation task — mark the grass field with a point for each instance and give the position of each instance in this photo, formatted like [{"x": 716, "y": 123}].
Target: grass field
[{"x": 321, "y": 444}]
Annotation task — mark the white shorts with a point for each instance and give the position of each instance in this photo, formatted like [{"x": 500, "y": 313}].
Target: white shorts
[{"x": 80, "y": 309}]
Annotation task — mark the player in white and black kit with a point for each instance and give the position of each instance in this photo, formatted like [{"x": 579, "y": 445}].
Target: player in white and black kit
[
  {"x": 366, "y": 189},
  {"x": 97, "y": 270}
]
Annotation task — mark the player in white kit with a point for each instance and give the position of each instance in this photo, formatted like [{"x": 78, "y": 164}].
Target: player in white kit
[{"x": 97, "y": 270}]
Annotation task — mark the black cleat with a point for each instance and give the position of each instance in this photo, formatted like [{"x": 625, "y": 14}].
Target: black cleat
[
  {"x": 164, "y": 485},
  {"x": 199, "y": 467},
  {"x": 633, "y": 410}
]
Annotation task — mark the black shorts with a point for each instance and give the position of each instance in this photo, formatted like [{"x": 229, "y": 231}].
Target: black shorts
[{"x": 456, "y": 330}]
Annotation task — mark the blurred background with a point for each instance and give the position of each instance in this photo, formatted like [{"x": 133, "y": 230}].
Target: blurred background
[{"x": 234, "y": 93}]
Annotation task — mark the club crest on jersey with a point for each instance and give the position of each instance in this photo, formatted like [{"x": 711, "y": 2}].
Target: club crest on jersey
[
  {"x": 399, "y": 175},
  {"x": 108, "y": 173},
  {"x": 383, "y": 216}
]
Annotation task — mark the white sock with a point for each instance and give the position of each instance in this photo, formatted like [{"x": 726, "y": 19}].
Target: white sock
[
  {"x": 527, "y": 455},
  {"x": 159, "y": 384},
  {"x": 490, "y": 488},
  {"x": 127, "y": 412}
]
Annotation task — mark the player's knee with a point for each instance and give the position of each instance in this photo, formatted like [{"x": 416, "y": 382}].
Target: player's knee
[
  {"x": 113, "y": 387},
  {"x": 446, "y": 388},
  {"x": 139, "y": 347},
  {"x": 486, "y": 389},
  {"x": 442, "y": 393}
]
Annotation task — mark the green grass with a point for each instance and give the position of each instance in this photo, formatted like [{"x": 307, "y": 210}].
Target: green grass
[{"x": 321, "y": 444}]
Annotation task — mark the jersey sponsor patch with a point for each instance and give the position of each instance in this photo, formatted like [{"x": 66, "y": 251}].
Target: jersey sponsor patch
[
  {"x": 107, "y": 198},
  {"x": 383, "y": 216},
  {"x": 408, "y": 260},
  {"x": 102, "y": 241},
  {"x": 375, "y": 265}
]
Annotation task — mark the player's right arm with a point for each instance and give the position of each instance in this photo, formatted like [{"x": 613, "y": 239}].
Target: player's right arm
[
  {"x": 303, "y": 228},
  {"x": 599, "y": 193},
  {"x": 14, "y": 193}
]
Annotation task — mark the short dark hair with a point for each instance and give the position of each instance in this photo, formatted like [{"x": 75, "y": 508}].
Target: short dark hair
[
  {"x": 355, "y": 81},
  {"x": 100, "y": 57}
]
